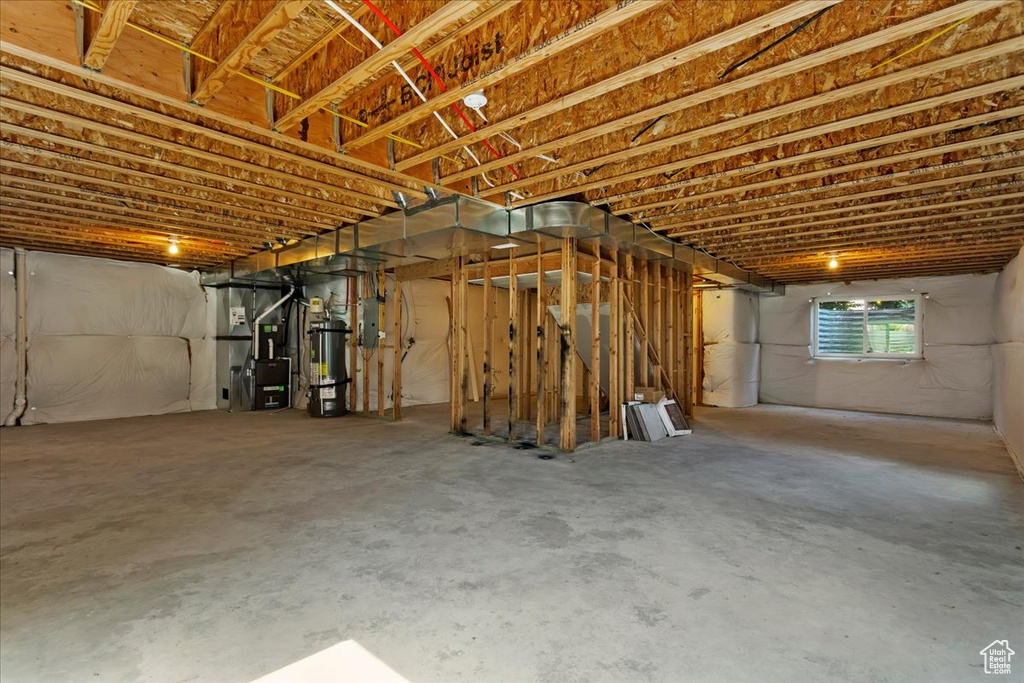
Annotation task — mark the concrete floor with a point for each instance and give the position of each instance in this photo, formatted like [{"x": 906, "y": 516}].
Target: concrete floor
[{"x": 775, "y": 544}]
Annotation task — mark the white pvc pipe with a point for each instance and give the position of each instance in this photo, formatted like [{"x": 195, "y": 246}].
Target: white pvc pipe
[
  {"x": 261, "y": 316},
  {"x": 21, "y": 338}
]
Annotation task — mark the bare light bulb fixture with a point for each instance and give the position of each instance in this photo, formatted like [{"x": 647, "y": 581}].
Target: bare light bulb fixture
[
  {"x": 172, "y": 248},
  {"x": 475, "y": 99},
  {"x": 833, "y": 263}
]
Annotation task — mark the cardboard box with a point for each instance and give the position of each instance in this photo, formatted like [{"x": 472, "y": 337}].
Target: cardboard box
[{"x": 648, "y": 394}]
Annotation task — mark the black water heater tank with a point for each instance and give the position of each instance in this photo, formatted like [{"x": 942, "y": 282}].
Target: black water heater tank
[{"x": 328, "y": 377}]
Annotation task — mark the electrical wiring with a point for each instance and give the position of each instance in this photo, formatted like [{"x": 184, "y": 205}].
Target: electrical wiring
[
  {"x": 800, "y": 27},
  {"x": 923, "y": 43},
  {"x": 334, "y": 29},
  {"x": 440, "y": 84},
  {"x": 261, "y": 82}
]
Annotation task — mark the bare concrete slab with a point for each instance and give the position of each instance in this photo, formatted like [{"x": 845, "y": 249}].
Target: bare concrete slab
[{"x": 774, "y": 544}]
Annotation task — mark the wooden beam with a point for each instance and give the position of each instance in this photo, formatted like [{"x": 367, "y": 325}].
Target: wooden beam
[
  {"x": 488, "y": 344},
  {"x": 630, "y": 355},
  {"x": 614, "y": 350},
  {"x": 130, "y": 157},
  {"x": 193, "y": 221},
  {"x": 381, "y": 298},
  {"x": 857, "y": 241},
  {"x": 180, "y": 199},
  {"x": 689, "y": 340},
  {"x": 342, "y": 88},
  {"x": 938, "y": 151},
  {"x": 542, "y": 311},
  {"x": 274, "y": 146},
  {"x": 595, "y": 348},
  {"x": 111, "y": 24},
  {"x": 242, "y": 36},
  {"x": 616, "y": 15},
  {"x": 513, "y": 346},
  {"x": 210, "y": 159},
  {"x": 677, "y": 162},
  {"x": 675, "y": 59},
  {"x": 396, "y": 343},
  {"x": 567, "y": 384},
  {"x": 742, "y": 239},
  {"x": 352, "y": 285},
  {"x": 803, "y": 64},
  {"x": 827, "y": 152},
  {"x": 907, "y": 204}
]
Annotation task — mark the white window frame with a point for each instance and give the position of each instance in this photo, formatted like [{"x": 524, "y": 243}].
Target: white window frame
[{"x": 918, "y": 327}]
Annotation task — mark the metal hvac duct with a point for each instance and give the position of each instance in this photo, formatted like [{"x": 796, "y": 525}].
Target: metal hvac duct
[{"x": 458, "y": 225}]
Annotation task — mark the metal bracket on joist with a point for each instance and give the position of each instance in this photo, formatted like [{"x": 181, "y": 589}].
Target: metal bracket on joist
[
  {"x": 336, "y": 129},
  {"x": 475, "y": 184},
  {"x": 269, "y": 97},
  {"x": 400, "y": 199},
  {"x": 186, "y": 73},
  {"x": 391, "y": 153}
]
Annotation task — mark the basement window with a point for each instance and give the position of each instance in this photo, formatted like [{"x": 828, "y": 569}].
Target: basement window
[{"x": 868, "y": 327}]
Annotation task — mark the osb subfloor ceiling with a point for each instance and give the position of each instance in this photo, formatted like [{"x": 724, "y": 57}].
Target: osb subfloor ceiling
[{"x": 776, "y": 134}]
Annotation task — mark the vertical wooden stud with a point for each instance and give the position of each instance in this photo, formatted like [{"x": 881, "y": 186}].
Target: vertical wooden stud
[
  {"x": 380, "y": 346},
  {"x": 353, "y": 339},
  {"x": 488, "y": 341},
  {"x": 567, "y": 347},
  {"x": 656, "y": 333},
  {"x": 541, "y": 314},
  {"x": 690, "y": 340},
  {"x": 513, "y": 346},
  {"x": 630, "y": 352},
  {"x": 396, "y": 390},
  {"x": 595, "y": 347},
  {"x": 614, "y": 350},
  {"x": 645, "y": 321}
]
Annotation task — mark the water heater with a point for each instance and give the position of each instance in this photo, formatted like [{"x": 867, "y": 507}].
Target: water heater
[{"x": 327, "y": 374}]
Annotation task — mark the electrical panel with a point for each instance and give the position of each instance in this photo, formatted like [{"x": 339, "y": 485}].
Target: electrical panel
[{"x": 370, "y": 332}]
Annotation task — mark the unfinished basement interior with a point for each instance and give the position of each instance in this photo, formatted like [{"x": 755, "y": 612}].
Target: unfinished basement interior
[{"x": 413, "y": 341}]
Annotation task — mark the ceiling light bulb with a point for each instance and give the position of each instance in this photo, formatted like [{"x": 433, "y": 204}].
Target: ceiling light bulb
[
  {"x": 833, "y": 264},
  {"x": 172, "y": 248},
  {"x": 475, "y": 100}
]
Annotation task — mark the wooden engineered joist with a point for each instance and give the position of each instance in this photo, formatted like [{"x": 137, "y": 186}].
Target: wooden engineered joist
[
  {"x": 344, "y": 86},
  {"x": 907, "y": 203},
  {"x": 241, "y": 35},
  {"x": 109, "y": 27},
  {"x": 921, "y": 214},
  {"x": 886, "y": 114},
  {"x": 795, "y": 66},
  {"x": 937, "y": 151},
  {"x": 283, "y": 149},
  {"x": 840, "y": 150},
  {"x": 615, "y": 16},
  {"x": 214, "y": 161},
  {"x": 779, "y": 17},
  {"x": 244, "y": 211},
  {"x": 778, "y": 198}
]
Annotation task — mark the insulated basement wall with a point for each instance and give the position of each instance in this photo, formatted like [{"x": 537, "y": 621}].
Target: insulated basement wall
[
  {"x": 954, "y": 379},
  {"x": 113, "y": 339},
  {"x": 8, "y": 318},
  {"x": 1008, "y": 359},
  {"x": 731, "y": 351}
]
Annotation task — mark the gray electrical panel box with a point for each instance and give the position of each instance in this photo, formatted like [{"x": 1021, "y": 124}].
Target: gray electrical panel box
[{"x": 370, "y": 330}]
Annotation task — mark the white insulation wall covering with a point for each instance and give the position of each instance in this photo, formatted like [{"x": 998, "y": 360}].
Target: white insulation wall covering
[
  {"x": 1008, "y": 358},
  {"x": 954, "y": 379},
  {"x": 8, "y": 318},
  {"x": 114, "y": 339},
  {"x": 731, "y": 351}
]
